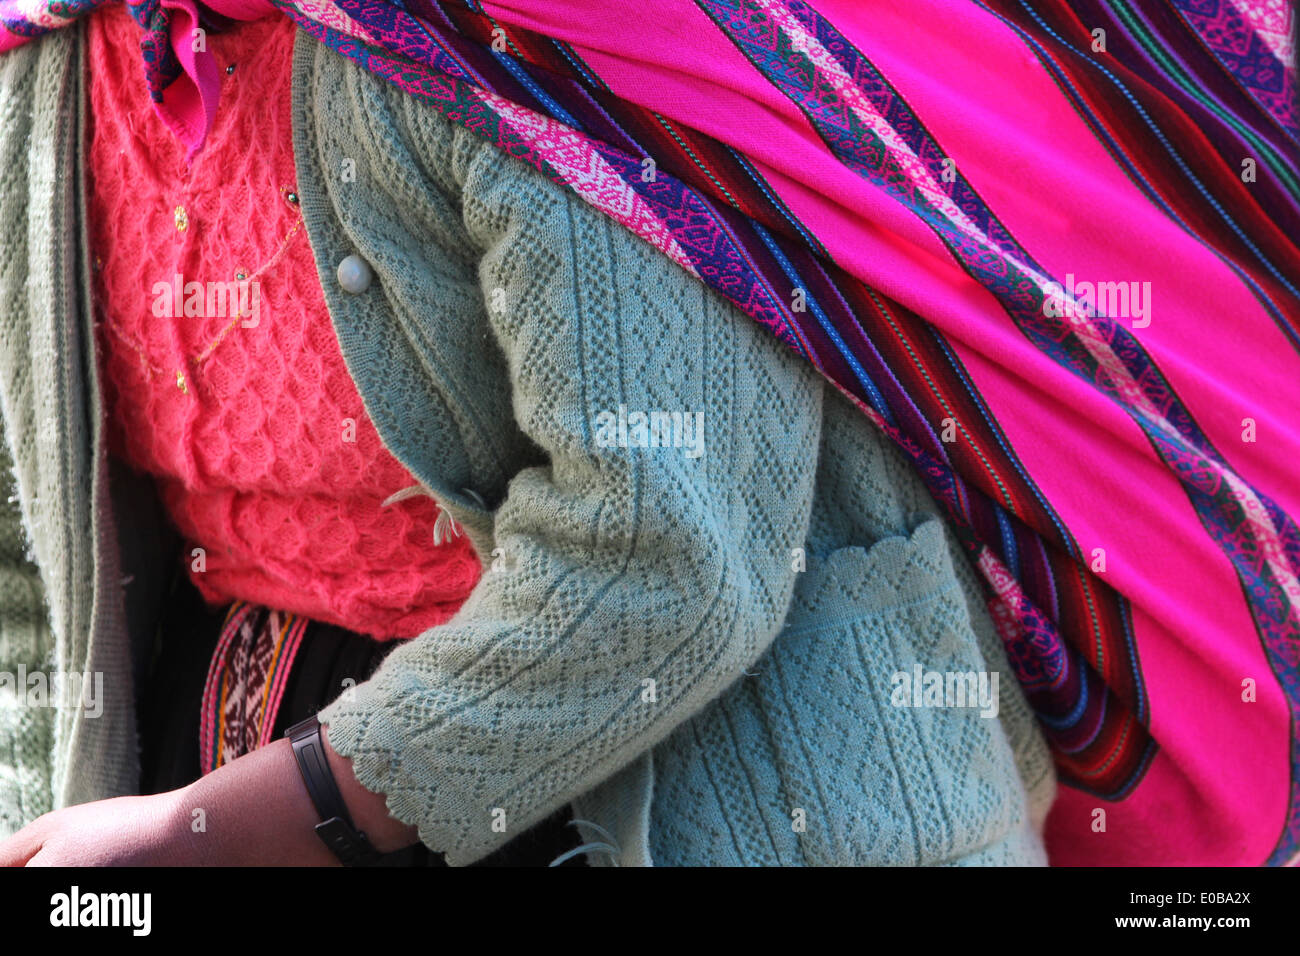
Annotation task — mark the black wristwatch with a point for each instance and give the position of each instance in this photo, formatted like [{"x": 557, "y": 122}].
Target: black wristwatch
[{"x": 336, "y": 828}]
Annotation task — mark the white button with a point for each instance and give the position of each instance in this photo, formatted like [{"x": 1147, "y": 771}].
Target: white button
[{"x": 355, "y": 275}]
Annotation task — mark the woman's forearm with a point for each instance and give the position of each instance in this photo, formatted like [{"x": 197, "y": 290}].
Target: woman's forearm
[{"x": 256, "y": 810}]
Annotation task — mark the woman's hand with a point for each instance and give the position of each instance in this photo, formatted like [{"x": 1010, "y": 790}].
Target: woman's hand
[
  {"x": 124, "y": 831},
  {"x": 254, "y": 811}
]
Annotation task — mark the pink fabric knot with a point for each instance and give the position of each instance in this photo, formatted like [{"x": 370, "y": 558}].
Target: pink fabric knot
[{"x": 189, "y": 103}]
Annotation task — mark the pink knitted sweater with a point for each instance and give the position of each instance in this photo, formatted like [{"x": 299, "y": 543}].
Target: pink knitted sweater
[{"x": 265, "y": 459}]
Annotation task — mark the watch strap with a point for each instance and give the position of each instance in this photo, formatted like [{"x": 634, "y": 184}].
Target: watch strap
[{"x": 336, "y": 828}]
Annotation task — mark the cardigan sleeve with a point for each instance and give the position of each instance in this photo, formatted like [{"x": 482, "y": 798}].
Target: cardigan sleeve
[
  {"x": 26, "y": 732},
  {"x": 636, "y": 572}
]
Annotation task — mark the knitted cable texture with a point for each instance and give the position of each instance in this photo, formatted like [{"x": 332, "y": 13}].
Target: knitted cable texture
[
  {"x": 64, "y": 747},
  {"x": 640, "y": 592},
  {"x": 267, "y": 461}
]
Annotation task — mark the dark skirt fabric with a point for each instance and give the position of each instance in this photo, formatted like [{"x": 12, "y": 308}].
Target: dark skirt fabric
[{"x": 171, "y": 700}]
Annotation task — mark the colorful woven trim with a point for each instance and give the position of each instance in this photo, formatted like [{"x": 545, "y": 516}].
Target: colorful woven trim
[{"x": 246, "y": 682}]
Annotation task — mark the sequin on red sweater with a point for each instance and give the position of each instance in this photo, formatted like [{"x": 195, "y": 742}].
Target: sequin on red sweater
[{"x": 260, "y": 446}]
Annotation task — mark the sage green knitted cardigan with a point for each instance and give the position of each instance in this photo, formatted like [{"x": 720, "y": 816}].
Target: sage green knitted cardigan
[{"x": 696, "y": 651}]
